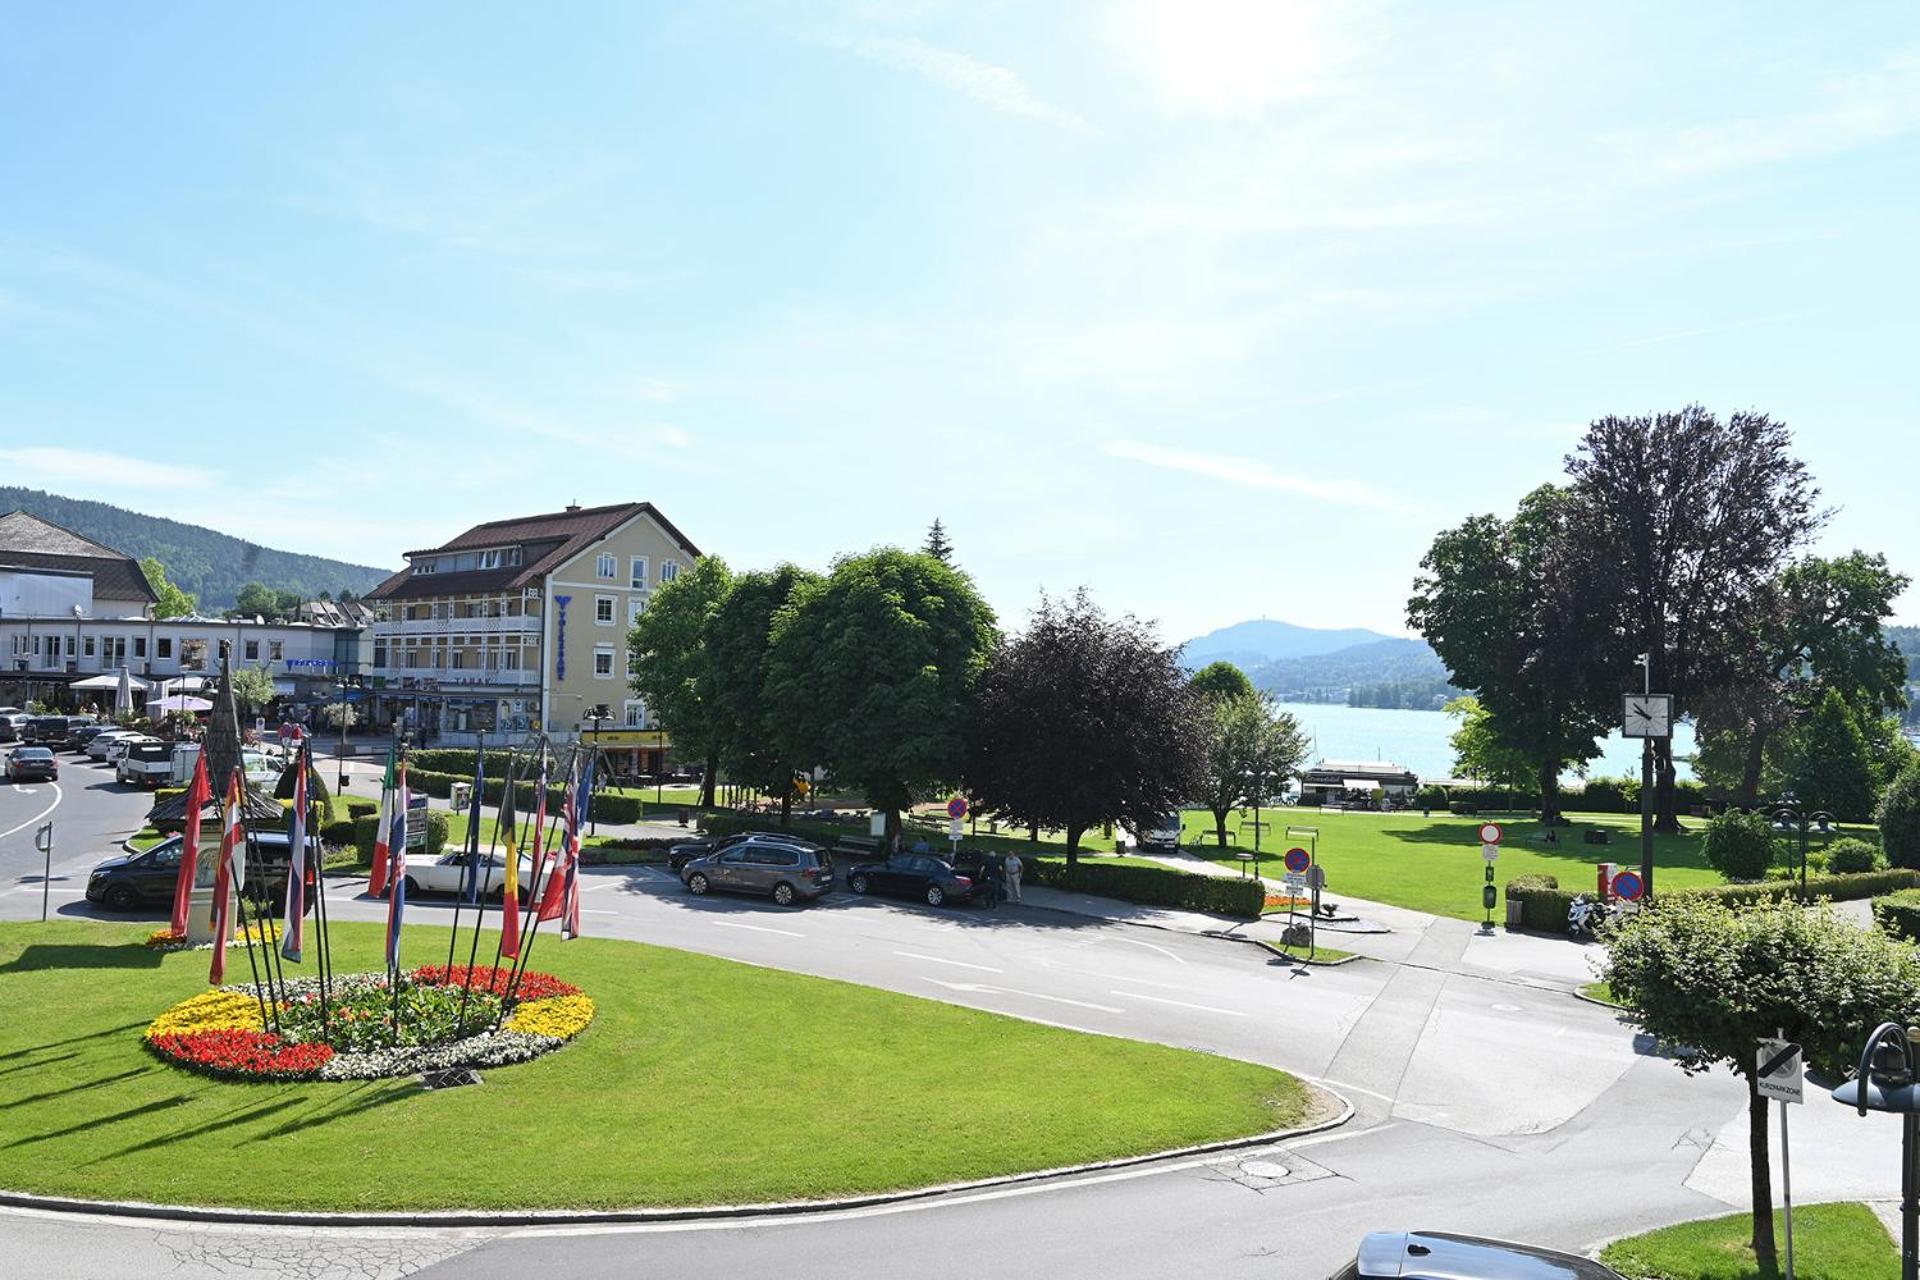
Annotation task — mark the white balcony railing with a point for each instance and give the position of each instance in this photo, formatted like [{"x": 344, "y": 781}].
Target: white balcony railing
[{"x": 469, "y": 626}]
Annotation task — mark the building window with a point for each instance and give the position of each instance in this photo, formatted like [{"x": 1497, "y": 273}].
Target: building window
[
  {"x": 636, "y": 714},
  {"x": 253, "y": 650},
  {"x": 639, "y": 576},
  {"x": 87, "y": 647},
  {"x": 139, "y": 646},
  {"x": 603, "y": 610},
  {"x": 636, "y": 605},
  {"x": 489, "y": 559},
  {"x": 276, "y": 649},
  {"x": 163, "y": 647},
  {"x": 425, "y": 566},
  {"x": 668, "y": 571},
  {"x": 604, "y": 566},
  {"x": 603, "y": 661}
]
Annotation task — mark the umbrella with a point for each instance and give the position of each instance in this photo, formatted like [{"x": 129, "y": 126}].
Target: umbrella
[
  {"x": 123, "y": 694},
  {"x": 183, "y": 702},
  {"x": 110, "y": 681}
]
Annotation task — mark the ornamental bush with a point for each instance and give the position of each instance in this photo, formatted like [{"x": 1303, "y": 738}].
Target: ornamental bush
[
  {"x": 1898, "y": 914},
  {"x": 1851, "y": 856},
  {"x": 1740, "y": 846},
  {"x": 1899, "y": 819}
]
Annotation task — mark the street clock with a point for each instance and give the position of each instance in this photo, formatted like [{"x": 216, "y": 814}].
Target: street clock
[{"x": 1648, "y": 715}]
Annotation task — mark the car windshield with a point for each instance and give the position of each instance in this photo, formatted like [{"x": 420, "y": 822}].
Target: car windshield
[{"x": 34, "y": 753}]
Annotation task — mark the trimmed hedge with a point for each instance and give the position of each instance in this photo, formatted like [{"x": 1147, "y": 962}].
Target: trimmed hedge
[
  {"x": 1243, "y": 897},
  {"x": 364, "y": 829},
  {"x": 1898, "y": 914},
  {"x": 717, "y": 826},
  {"x": 338, "y": 832},
  {"x": 1741, "y": 846},
  {"x": 1544, "y": 904},
  {"x": 607, "y": 807},
  {"x": 358, "y": 806}
]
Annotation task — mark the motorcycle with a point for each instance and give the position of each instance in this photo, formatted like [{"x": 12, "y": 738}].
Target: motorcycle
[{"x": 1586, "y": 914}]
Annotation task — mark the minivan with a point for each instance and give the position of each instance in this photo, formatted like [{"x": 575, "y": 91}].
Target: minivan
[{"x": 784, "y": 870}]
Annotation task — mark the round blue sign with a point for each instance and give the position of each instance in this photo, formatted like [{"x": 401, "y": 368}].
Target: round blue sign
[
  {"x": 1298, "y": 861},
  {"x": 1627, "y": 885}
]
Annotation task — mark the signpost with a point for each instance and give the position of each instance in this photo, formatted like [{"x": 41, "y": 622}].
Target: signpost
[
  {"x": 1490, "y": 836},
  {"x": 1303, "y": 875},
  {"x": 416, "y": 820},
  {"x": 1779, "y": 1075},
  {"x": 43, "y": 841},
  {"x": 1627, "y": 885}
]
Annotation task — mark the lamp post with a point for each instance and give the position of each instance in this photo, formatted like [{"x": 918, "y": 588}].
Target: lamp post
[
  {"x": 1885, "y": 1082},
  {"x": 599, "y": 715},
  {"x": 346, "y": 714},
  {"x": 1789, "y": 816}
]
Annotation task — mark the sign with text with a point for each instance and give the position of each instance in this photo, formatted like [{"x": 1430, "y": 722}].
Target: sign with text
[{"x": 1779, "y": 1067}]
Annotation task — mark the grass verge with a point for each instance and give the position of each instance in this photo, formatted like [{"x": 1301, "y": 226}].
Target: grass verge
[
  {"x": 1602, "y": 992},
  {"x": 1831, "y": 1242},
  {"x": 700, "y": 1082},
  {"x": 1321, "y": 955}
]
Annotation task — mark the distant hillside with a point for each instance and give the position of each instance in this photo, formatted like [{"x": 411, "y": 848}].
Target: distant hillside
[
  {"x": 1251, "y": 644},
  {"x": 1384, "y": 673},
  {"x": 214, "y": 566}
]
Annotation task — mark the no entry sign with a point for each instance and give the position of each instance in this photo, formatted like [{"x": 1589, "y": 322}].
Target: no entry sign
[
  {"x": 1298, "y": 860},
  {"x": 1490, "y": 833}
]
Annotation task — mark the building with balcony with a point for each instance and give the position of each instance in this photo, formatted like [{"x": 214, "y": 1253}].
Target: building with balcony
[{"x": 520, "y": 625}]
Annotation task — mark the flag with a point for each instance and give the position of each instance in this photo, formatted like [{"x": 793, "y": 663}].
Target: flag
[
  {"x": 397, "y": 871},
  {"x": 581, "y": 807},
  {"x": 223, "y": 879},
  {"x": 293, "y": 936},
  {"x": 510, "y": 886},
  {"x": 199, "y": 791},
  {"x": 470, "y": 876},
  {"x": 377, "y": 878},
  {"x": 553, "y": 902}
]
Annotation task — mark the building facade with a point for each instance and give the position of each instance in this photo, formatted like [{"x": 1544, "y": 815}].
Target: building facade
[
  {"x": 1369, "y": 784},
  {"x": 50, "y": 571},
  {"x": 520, "y": 626}
]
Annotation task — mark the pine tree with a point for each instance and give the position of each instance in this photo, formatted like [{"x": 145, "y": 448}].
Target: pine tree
[{"x": 938, "y": 545}]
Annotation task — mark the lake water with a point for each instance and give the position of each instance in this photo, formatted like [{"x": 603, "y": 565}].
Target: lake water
[{"x": 1418, "y": 740}]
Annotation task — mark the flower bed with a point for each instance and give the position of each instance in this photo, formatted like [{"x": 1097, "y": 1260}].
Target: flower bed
[{"x": 353, "y": 1035}]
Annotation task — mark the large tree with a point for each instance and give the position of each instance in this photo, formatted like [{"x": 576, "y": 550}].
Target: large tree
[
  {"x": 174, "y": 603},
  {"x": 1222, "y": 680},
  {"x": 1681, "y": 521},
  {"x": 746, "y": 734},
  {"x": 668, "y": 660},
  {"x": 1715, "y": 981},
  {"x": 1480, "y": 750},
  {"x": 1832, "y": 768},
  {"x": 1251, "y": 748},
  {"x": 1086, "y": 720},
  {"x": 1494, "y": 601},
  {"x": 873, "y": 673}
]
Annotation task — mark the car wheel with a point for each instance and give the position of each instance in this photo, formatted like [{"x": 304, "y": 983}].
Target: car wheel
[
  {"x": 783, "y": 894},
  {"x": 122, "y": 898},
  {"x": 697, "y": 884},
  {"x": 858, "y": 884},
  {"x": 936, "y": 896},
  {"x": 413, "y": 887}
]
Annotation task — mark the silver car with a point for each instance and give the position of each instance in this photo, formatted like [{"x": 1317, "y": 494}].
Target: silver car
[
  {"x": 784, "y": 870},
  {"x": 1436, "y": 1255}
]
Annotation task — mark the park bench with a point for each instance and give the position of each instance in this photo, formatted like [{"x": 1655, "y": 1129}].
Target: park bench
[{"x": 859, "y": 845}]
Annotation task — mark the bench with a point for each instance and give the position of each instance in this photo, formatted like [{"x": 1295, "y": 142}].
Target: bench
[{"x": 858, "y": 844}]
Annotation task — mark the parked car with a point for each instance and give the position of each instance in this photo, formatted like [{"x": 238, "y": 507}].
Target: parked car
[
  {"x": 45, "y": 730},
  {"x": 443, "y": 875},
  {"x": 680, "y": 853},
  {"x": 913, "y": 875},
  {"x": 1435, "y": 1255},
  {"x": 7, "y": 732},
  {"x": 118, "y": 748},
  {"x": 97, "y": 746},
  {"x": 139, "y": 879},
  {"x": 784, "y": 870},
  {"x": 81, "y": 734},
  {"x": 33, "y": 764},
  {"x": 146, "y": 764}
]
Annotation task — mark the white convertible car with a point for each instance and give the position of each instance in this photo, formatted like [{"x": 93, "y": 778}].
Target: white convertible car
[{"x": 443, "y": 875}]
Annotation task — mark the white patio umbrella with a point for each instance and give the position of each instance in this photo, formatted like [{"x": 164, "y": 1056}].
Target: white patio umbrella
[{"x": 123, "y": 694}]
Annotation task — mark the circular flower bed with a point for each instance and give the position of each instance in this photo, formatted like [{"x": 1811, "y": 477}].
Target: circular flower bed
[{"x": 444, "y": 1021}]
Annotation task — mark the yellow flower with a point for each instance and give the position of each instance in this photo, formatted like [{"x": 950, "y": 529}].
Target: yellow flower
[
  {"x": 562, "y": 1017},
  {"x": 208, "y": 1011}
]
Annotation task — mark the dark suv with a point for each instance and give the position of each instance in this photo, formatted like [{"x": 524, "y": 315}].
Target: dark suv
[
  {"x": 1435, "y": 1255},
  {"x": 140, "y": 879},
  {"x": 784, "y": 870}
]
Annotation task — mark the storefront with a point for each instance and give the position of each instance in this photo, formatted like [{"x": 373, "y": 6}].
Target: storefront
[{"x": 631, "y": 753}]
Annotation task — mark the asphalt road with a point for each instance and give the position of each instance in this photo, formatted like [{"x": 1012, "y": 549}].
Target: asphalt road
[{"x": 1482, "y": 1105}]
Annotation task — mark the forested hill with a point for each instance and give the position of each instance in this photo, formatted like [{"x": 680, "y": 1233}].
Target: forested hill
[
  {"x": 1396, "y": 673},
  {"x": 213, "y": 566}
]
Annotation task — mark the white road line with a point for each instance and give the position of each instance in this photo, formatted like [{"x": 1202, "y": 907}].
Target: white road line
[
  {"x": 1204, "y": 1008},
  {"x": 36, "y": 817},
  {"x": 1138, "y": 943},
  {"x": 758, "y": 928},
  {"x": 982, "y": 988},
  {"x": 958, "y": 964}
]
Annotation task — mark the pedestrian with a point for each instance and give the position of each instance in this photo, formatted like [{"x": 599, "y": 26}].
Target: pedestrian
[
  {"x": 990, "y": 879},
  {"x": 1013, "y": 869}
]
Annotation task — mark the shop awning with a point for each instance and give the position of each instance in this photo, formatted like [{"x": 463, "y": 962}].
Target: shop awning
[{"x": 1360, "y": 784}]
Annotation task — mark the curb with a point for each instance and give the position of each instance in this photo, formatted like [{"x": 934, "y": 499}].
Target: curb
[
  {"x": 1604, "y": 1004},
  {"x": 1275, "y": 948},
  {"x": 570, "y": 1217}
]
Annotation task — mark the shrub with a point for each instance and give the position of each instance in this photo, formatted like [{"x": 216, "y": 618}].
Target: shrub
[
  {"x": 1851, "y": 856},
  {"x": 338, "y": 833},
  {"x": 1543, "y": 904},
  {"x": 359, "y": 806},
  {"x": 1740, "y": 846},
  {"x": 1154, "y": 886},
  {"x": 364, "y": 829},
  {"x": 1431, "y": 796},
  {"x": 1898, "y": 914},
  {"x": 1604, "y": 795},
  {"x": 1899, "y": 819}
]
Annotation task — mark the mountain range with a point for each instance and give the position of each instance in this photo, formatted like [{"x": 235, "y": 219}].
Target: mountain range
[
  {"x": 1351, "y": 665},
  {"x": 211, "y": 565}
]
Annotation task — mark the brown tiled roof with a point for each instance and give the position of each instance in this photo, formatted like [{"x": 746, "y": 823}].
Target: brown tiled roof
[
  {"x": 29, "y": 542},
  {"x": 547, "y": 540}
]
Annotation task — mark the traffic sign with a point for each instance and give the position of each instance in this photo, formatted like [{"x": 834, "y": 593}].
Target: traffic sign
[
  {"x": 1316, "y": 877},
  {"x": 1780, "y": 1065},
  {"x": 1298, "y": 860},
  {"x": 953, "y": 829},
  {"x": 1627, "y": 885},
  {"x": 957, "y": 808},
  {"x": 1490, "y": 833},
  {"x": 1294, "y": 880},
  {"x": 1491, "y": 852}
]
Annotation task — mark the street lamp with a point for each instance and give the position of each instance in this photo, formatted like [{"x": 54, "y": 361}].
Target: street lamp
[
  {"x": 346, "y": 714},
  {"x": 1788, "y": 816},
  {"x": 599, "y": 715},
  {"x": 1885, "y": 1082}
]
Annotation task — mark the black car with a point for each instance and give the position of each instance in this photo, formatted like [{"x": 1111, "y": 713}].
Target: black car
[
  {"x": 140, "y": 879},
  {"x": 33, "y": 764},
  {"x": 81, "y": 734},
  {"x": 914, "y": 875},
  {"x": 682, "y": 852},
  {"x": 7, "y": 732},
  {"x": 48, "y": 731},
  {"x": 1435, "y": 1255}
]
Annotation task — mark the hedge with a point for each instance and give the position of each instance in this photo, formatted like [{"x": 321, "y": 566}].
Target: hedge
[
  {"x": 1599, "y": 795},
  {"x": 607, "y": 807},
  {"x": 1898, "y": 914},
  {"x": 1544, "y": 904},
  {"x": 364, "y": 829},
  {"x": 1240, "y": 896},
  {"x": 717, "y": 826}
]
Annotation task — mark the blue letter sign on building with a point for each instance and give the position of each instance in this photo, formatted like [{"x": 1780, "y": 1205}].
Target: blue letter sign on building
[{"x": 560, "y": 637}]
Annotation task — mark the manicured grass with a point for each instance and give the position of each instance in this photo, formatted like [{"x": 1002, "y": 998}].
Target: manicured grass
[
  {"x": 1322, "y": 954},
  {"x": 702, "y": 1081},
  {"x": 1599, "y": 991},
  {"x": 1830, "y": 1242}
]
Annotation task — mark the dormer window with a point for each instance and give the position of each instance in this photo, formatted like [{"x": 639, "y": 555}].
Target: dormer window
[
  {"x": 425, "y": 566},
  {"x": 606, "y": 565}
]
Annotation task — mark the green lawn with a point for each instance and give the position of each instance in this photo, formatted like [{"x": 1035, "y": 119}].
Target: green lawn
[
  {"x": 1321, "y": 954},
  {"x": 1830, "y": 1242},
  {"x": 702, "y": 1081}
]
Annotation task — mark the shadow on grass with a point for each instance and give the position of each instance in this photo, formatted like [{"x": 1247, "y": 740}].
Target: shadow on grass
[
  {"x": 100, "y": 1122},
  {"x": 60, "y": 1044},
  {"x": 248, "y": 1116},
  {"x": 72, "y": 955},
  {"x": 357, "y": 1101},
  {"x": 76, "y": 1088}
]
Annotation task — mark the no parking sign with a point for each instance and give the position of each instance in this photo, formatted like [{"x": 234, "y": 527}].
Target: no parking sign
[
  {"x": 1627, "y": 885},
  {"x": 1298, "y": 860}
]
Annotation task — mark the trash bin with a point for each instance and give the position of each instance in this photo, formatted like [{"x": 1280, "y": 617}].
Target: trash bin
[
  {"x": 684, "y": 814},
  {"x": 1516, "y": 915},
  {"x": 462, "y": 796}
]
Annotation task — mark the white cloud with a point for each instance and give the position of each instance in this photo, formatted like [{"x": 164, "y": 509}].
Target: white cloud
[
  {"x": 79, "y": 470},
  {"x": 985, "y": 82},
  {"x": 1244, "y": 472},
  {"x": 1231, "y": 57}
]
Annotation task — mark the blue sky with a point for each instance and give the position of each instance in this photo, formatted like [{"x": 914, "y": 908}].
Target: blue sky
[{"x": 1220, "y": 309}]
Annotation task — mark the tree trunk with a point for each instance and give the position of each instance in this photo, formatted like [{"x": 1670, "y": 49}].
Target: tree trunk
[
  {"x": 1750, "y": 771},
  {"x": 1220, "y": 826},
  {"x": 1549, "y": 792},
  {"x": 706, "y": 783},
  {"x": 1764, "y": 1253},
  {"x": 1073, "y": 844},
  {"x": 1666, "y": 804},
  {"x": 786, "y": 810}
]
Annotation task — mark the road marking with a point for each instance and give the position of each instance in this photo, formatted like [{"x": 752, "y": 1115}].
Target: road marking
[
  {"x": 958, "y": 964},
  {"x": 1204, "y": 1008},
  {"x": 1138, "y": 943},
  {"x": 983, "y": 989},
  {"x": 57, "y": 797},
  {"x": 757, "y": 928}
]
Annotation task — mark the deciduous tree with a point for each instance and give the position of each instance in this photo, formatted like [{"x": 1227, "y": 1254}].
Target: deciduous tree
[
  {"x": 669, "y": 664},
  {"x": 739, "y": 647},
  {"x": 1251, "y": 748},
  {"x": 1222, "y": 680},
  {"x": 174, "y": 603},
  {"x": 1086, "y": 720}
]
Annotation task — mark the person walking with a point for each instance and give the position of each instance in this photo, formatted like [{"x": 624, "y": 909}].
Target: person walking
[
  {"x": 1013, "y": 868},
  {"x": 990, "y": 879}
]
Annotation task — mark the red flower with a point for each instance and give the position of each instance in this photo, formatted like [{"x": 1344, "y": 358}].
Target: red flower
[
  {"x": 534, "y": 985},
  {"x": 255, "y": 1055}
]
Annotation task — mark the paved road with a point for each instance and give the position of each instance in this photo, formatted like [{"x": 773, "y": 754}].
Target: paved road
[{"x": 1483, "y": 1104}]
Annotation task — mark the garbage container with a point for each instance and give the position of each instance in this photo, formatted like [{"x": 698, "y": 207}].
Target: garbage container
[
  {"x": 684, "y": 813},
  {"x": 462, "y": 796},
  {"x": 1516, "y": 916}
]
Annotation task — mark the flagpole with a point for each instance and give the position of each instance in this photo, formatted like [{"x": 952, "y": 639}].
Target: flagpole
[
  {"x": 323, "y": 953},
  {"x": 472, "y": 849},
  {"x": 240, "y": 904},
  {"x": 533, "y": 930},
  {"x": 480, "y": 909},
  {"x": 269, "y": 932},
  {"x": 513, "y": 854}
]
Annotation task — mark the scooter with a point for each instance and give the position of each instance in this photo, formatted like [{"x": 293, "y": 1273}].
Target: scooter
[{"x": 1585, "y": 916}]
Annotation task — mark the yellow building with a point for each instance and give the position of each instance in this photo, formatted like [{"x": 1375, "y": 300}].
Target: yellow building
[{"x": 518, "y": 625}]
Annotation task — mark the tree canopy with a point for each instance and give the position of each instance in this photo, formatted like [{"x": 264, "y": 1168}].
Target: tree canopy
[
  {"x": 1086, "y": 720},
  {"x": 873, "y": 673},
  {"x": 256, "y": 598},
  {"x": 1222, "y": 679},
  {"x": 174, "y": 603},
  {"x": 668, "y": 658},
  {"x": 1250, "y": 748},
  {"x": 746, "y": 736}
]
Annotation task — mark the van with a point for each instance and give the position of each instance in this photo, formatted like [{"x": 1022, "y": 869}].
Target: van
[
  {"x": 1162, "y": 833},
  {"x": 146, "y": 764}
]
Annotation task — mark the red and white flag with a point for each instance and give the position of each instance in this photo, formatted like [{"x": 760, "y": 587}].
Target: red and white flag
[
  {"x": 199, "y": 791},
  {"x": 227, "y": 878}
]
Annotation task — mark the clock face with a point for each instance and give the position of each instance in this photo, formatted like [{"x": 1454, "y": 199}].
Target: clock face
[{"x": 1647, "y": 715}]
